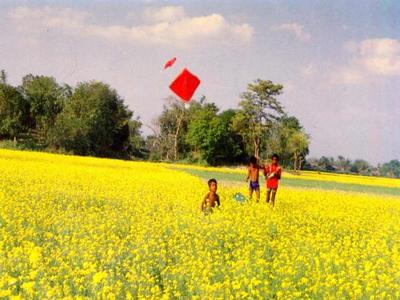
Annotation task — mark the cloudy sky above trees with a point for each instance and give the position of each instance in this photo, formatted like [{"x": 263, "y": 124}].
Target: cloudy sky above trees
[{"x": 339, "y": 61}]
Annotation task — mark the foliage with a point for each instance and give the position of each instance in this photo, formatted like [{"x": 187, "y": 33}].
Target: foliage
[
  {"x": 358, "y": 166},
  {"x": 205, "y": 132},
  {"x": 195, "y": 133},
  {"x": 231, "y": 148},
  {"x": 46, "y": 99},
  {"x": 391, "y": 169},
  {"x": 14, "y": 112},
  {"x": 95, "y": 122},
  {"x": 288, "y": 139},
  {"x": 297, "y": 144},
  {"x": 92, "y": 119},
  {"x": 137, "y": 142},
  {"x": 259, "y": 109},
  {"x": 169, "y": 135}
]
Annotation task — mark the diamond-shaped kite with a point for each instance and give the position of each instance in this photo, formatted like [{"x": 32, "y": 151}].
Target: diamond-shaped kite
[{"x": 185, "y": 85}]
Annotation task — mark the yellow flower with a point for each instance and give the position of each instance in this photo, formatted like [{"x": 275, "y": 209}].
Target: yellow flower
[
  {"x": 99, "y": 277},
  {"x": 80, "y": 227}
]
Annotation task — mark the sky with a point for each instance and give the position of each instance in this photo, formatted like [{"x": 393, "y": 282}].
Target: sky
[{"x": 339, "y": 61}]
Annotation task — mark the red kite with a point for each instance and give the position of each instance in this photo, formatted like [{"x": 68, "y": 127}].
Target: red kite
[
  {"x": 169, "y": 63},
  {"x": 185, "y": 85}
]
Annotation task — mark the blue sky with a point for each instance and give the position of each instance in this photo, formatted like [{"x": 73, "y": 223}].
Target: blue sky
[{"x": 339, "y": 61}]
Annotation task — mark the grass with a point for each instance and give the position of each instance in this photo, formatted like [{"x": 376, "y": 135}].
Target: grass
[{"x": 298, "y": 182}]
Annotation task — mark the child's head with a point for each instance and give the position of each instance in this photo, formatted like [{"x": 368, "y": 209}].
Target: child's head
[
  {"x": 275, "y": 158},
  {"x": 253, "y": 161},
  {"x": 212, "y": 185}
]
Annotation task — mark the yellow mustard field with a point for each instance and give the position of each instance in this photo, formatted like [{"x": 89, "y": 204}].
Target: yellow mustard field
[{"x": 73, "y": 227}]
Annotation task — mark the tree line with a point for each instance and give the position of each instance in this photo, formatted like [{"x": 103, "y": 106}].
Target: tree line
[
  {"x": 202, "y": 133},
  {"x": 89, "y": 119},
  {"x": 357, "y": 166},
  {"x": 92, "y": 119}
]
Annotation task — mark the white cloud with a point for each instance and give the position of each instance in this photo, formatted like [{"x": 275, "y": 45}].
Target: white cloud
[
  {"x": 169, "y": 25},
  {"x": 165, "y": 14},
  {"x": 33, "y": 19},
  {"x": 294, "y": 28},
  {"x": 380, "y": 56},
  {"x": 370, "y": 58}
]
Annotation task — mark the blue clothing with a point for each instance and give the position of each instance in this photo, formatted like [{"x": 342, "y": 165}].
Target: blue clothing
[{"x": 254, "y": 185}]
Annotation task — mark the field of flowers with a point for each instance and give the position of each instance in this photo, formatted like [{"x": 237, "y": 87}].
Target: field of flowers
[{"x": 73, "y": 227}]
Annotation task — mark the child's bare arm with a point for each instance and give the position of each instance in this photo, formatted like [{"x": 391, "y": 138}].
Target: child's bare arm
[
  {"x": 248, "y": 174},
  {"x": 203, "y": 202}
]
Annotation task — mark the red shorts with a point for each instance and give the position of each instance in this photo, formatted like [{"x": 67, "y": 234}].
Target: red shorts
[{"x": 272, "y": 183}]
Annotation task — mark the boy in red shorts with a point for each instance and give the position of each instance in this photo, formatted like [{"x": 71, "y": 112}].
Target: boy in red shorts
[{"x": 272, "y": 174}]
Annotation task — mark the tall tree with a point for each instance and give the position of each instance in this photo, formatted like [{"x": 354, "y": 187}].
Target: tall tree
[
  {"x": 391, "y": 169},
  {"x": 204, "y": 131},
  {"x": 278, "y": 136},
  {"x": 361, "y": 166},
  {"x": 137, "y": 143},
  {"x": 297, "y": 144},
  {"x": 231, "y": 147},
  {"x": 326, "y": 163},
  {"x": 259, "y": 109},
  {"x": 95, "y": 121},
  {"x": 14, "y": 112},
  {"x": 46, "y": 100},
  {"x": 171, "y": 129},
  {"x": 343, "y": 164}
]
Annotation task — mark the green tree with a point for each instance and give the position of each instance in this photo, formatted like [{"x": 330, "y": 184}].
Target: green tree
[
  {"x": 204, "y": 132},
  {"x": 95, "y": 121},
  {"x": 170, "y": 131},
  {"x": 231, "y": 147},
  {"x": 212, "y": 137},
  {"x": 277, "y": 138},
  {"x": 137, "y": 143},
  {"x": 46, "y": 100},
  {"x": 14, "y": 112},
  {"x": 297, "y": 144},
  {"x": 326, "y": 164},
  {"x": 391, "y": 169},
  {"x": 343, "y": 164},
  {"x": 259, "y": 110},
  {"x": 361, "y": 166}
]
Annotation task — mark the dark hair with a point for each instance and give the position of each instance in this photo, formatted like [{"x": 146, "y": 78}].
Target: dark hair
[
  {"x": 275, "y": 156},
  {"x": 253, "y": 160},
  {"x": 212, "y": 180}
]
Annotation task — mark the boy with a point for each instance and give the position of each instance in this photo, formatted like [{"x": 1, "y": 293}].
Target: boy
[
  {"x": 272, "y": 174},
  {"x": 211, "y": 198},
  {"x": 253, "y": 174}
]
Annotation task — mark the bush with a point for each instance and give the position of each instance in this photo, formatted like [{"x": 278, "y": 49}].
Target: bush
[{"x": 9, "y": 144}]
